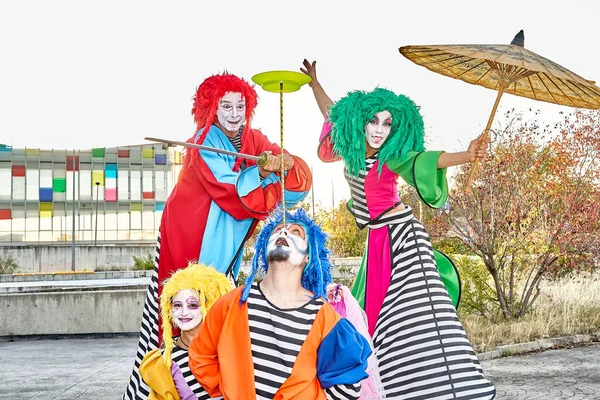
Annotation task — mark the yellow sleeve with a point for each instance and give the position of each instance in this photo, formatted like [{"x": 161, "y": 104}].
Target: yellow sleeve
[{"x": 156, "y": 375}]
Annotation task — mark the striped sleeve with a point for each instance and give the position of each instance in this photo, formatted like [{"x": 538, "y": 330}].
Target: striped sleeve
[{"x": 343, "y": 392}]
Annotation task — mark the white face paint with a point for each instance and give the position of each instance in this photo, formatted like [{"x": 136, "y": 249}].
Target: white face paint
[
  {"x": 231, "y": 112},
  {"x": 288, "y": 243},
  {"x": 186, "y": 310},
  {"x": 378, "y": 129}
]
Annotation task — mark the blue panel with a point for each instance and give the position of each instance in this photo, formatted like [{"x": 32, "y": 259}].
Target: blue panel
[
  {"x": 45, "y": 194},
  {"x": 159, "y": 206},
  {"x": 111, "y": 166},
  {"x": 110, "y": 173},
  {"x": 160, "y": 159}
]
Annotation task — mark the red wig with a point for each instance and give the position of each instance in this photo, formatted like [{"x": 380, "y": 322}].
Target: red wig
[{"x": 207, "y": 99}]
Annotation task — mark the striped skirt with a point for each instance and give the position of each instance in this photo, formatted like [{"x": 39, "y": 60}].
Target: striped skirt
[
  {"x": 137, "y": 389},
  {"x": 421, "y": 346}
]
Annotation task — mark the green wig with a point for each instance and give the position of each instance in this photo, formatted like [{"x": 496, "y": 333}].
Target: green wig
[{"x": 350, "y": 115}]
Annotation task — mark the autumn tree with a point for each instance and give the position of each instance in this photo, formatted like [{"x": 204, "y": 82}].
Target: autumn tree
[
  {"x": 534, "y": 211},
  {"x": 345, "y": 239}
]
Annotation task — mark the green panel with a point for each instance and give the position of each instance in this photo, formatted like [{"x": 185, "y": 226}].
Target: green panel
[
  {"x": 59, "y": 185},
  {"x": 98, "y": 152}
]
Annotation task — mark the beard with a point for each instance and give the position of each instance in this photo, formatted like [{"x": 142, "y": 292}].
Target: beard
[{"x": 278, "y": 254}]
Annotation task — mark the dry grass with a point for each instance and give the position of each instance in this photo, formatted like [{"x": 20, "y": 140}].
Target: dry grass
[{"x": 567, "y": 307}]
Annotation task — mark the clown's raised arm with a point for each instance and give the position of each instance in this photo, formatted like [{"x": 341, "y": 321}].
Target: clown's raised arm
[{"x": 323, "y": 100}]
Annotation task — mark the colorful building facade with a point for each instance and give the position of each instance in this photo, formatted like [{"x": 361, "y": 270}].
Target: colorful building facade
[{"x": 117, "y": 194}]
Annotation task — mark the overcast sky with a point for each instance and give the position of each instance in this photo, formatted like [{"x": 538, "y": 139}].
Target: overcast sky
[{"x": 83, "y": 74}]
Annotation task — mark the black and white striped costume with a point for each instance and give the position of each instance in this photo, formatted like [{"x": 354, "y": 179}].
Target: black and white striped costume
[
  {"x": 148, "y": 341},
  {"x": 276, "y": 336},
  {"x": 181, "y": 357},
  {"x": 421, "y": 346}
]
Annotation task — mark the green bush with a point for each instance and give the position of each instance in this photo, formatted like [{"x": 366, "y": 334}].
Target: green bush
[
  {"x": 143, "y": 263},
  {"x": 242, "y": 278},
  {"x": 477, "y": 296},
  {"x": 347, "y": 276},
  {"x": 8, "y": 265}
]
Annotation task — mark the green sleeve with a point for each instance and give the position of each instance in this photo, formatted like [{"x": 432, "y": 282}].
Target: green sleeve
[{"x": 420, "y": 171}]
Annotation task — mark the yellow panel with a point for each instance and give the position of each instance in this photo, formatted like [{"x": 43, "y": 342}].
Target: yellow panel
[
  {"x": 148, "y": 153},
  {"x": 136, "y": 206},
  {"x": 178, "y": 157},
  {"x": 97, "y": 176},
  {"x": 45, "y": 210},
  {"x": 32, "y": 152}
]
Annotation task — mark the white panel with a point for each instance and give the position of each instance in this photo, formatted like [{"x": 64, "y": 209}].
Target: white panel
[
  {"x": 147, "y": 182},
  {"x": 136, "y": 186},
  {"x": 33, "y": 184},
  {"x": 110, "y": 183},
  {"x": 85, "y": 185},
  {"x": 123, "y": 185},
  {"x": 5, "y": 183},
  {"x": 18, "y": 187},
  {"x": 46, "y": 178},
  {"x": 70, "y": 185}
]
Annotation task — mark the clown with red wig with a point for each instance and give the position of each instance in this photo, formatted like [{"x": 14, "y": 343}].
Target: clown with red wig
[{"x": 218, "y": 199}]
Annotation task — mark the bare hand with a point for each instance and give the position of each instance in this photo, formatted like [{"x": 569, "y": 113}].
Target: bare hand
[
  {"x": 288, "y": 161},
  {"x": 310, "y": 69},
  {"x": 273, "y": 165},
  {"x": 478, "y": 148}
]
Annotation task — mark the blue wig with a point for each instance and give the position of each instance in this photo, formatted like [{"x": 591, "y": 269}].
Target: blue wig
[{"x": 317, "y": 273}]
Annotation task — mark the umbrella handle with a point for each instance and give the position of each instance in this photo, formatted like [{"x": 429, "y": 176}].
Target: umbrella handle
[
  {"x": 472, "y": 175},
  {"x": 502, "y": 85}
]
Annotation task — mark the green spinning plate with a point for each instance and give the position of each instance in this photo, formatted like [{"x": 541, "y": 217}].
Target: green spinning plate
[{"x": 291, "y": 80}]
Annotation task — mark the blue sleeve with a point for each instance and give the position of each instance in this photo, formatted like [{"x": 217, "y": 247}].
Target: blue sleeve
[
  {"x": 221, "y": 165},
  {"x": 342, "y": 356}
]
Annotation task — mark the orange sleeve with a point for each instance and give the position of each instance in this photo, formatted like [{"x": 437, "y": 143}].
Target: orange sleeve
[{"x": 203, "y": 354}]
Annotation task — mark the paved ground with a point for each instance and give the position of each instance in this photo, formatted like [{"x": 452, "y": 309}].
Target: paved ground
[{"x": 99, "y": 368}]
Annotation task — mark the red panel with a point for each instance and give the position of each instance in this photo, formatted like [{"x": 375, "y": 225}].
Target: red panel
[
  {"x": 4, "y": 214},
  {"x": 70, "y": 163},
  {"x": 123, "y": 153},
  {"x": 18, "y": 170},
  {"x": 148, "y": 195}
]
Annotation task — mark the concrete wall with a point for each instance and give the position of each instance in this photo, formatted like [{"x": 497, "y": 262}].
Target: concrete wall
[
  {"x": 35, "y": 258},
  {"x": 64, "y": 310},
  {"x": 71, "y": 312},
  {"x": 45, "y": 258}
]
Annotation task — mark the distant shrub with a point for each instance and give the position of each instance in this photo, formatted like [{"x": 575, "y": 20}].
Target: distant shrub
[
  {"x": 145, "y": 262},
  {"x": 8, "y": 265}
]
